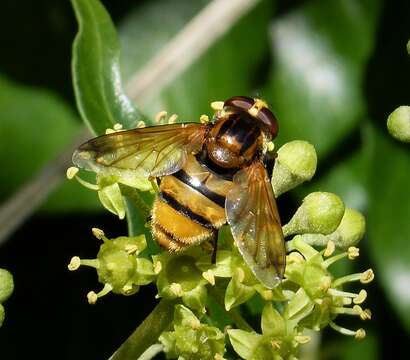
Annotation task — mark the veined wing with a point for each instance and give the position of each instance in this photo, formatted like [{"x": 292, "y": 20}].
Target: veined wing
[
  {"x": 254, "y": 220},
  {"x": 156, "y": 151}
]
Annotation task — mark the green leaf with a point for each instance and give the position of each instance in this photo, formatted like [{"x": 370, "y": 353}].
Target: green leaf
[
  {"x": 320, "y": 53},
  {"x": 228, "y": 68},
  {"x": 33, "y": 118},
  {"x": 388, "y": 219},
  {"x": 96, "y": 75}
]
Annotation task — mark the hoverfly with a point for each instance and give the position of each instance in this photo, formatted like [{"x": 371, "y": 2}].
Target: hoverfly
[{"x": 210, "y": 174}]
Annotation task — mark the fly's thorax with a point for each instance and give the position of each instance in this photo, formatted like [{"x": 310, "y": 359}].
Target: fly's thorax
[{"x": 234, "y": 140}]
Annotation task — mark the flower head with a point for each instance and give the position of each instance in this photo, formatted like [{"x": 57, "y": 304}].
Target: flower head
[{"x": 191, "y": 339}]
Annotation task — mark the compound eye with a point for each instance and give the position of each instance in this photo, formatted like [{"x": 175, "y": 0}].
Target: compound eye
[
  {"x": 269, "y": 121},
  {"x": 243, "y": 103}
]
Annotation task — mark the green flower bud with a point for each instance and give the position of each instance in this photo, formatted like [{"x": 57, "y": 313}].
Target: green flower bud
[
  {"x": 181, "y": 278},
  {"x": 349, "y": 232},
  {"x": 295, "y": 164},
  {"x": 398, "y": 124},
  {"x": 6, "y": 285},
  {"x": 190, "y": 339},
  {"x": 320, "y": 212},
  {"x": 110, "y": 195},
  {"x": 117, "y": 265}
]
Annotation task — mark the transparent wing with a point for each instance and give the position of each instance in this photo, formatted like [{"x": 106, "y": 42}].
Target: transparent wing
[
  {"x": 156, "y": 151},
  {"x": 254, "y": 220}
]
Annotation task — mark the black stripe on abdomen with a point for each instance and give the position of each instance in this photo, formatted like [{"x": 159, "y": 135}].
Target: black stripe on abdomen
[
  {"x": 202, "y": 188},
  {"x": 184, "y": 210}
]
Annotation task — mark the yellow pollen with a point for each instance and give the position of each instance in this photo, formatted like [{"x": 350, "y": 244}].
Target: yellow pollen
[
  {"x": 74, "y": 263},
  {"x": 98, "y": 233},
  {"x": 72, "y": 172},
  {"x": 271, "y": 146},
  {"x": 131, "y": 249},
  {"x": 367, "y": 276},
  {"x": 172, "y": 119},
  {"x": 217, "y": 105},
  {"x": 160, "y": 116},
  {"x": 92, "y": 297},
  {"x": 117, "y": 126},
  {"x": 141, "y": 124},
  {"x": 360, "y": 334},
  {"x": 361, "y": 297},
  {"x": 204, "y": 119},
  {"x": 352, "y": 252}
]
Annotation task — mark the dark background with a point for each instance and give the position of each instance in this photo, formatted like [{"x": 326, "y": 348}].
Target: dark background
[{"x": 48, "y": 315}]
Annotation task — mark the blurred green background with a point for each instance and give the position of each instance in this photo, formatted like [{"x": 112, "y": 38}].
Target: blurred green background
[{"x": 332, "y": 71}]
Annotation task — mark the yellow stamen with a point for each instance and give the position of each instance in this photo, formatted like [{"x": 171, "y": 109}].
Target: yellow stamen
[
  {"x": 367, "y": 276},
  {"x": 131, "y": 249},
  {"x": 141, "y": 124},
  {"x": 109, "y": 131},
  {"x": 361, "y": 297},
  {"x": 117, "y": 127},
  {"x": 74, "y": 264},
  {"x": 270, "y": 146},
  {"x": 172, "y": 119},
  {"x": 72, "y": 172},
  {"x": 360, "y": 334},
  {"x": 92, "y": 297},
  {"x": 217, "y": 105},
  {"x": 204, "y": 119},
  {"x": 352, "y": 252},
  {"x": 98, "y": 233},
  {"x": 160, "y": 116}
]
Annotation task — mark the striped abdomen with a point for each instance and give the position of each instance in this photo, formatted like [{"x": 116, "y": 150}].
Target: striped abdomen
[{"x": 190, "y": 206}]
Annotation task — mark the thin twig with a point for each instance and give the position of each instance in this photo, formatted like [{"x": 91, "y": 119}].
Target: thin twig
[
  {"x": 30, "y": 196},
  {"x": 176, "y": 56},
  {"x": 186, "y": 47}
]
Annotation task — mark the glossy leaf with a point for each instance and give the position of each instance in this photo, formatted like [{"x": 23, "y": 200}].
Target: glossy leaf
[
  {"x": 228, "y": 68},
  {"x": 96, "y": 74},
  {"x": 33, "y": 118},
  {"x": 388, "y": 219},
  {"x": 320, "y": 52}
]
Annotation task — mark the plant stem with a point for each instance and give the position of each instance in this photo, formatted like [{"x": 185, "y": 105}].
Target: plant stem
[{"x": 147, "y": 333}]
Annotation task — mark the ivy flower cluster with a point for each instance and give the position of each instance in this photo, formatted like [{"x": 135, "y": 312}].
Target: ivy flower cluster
[{"x": 310, "y": 297}]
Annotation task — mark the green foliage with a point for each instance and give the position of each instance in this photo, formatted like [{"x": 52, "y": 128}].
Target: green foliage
[
  {"x": 320, "y": 51},
  {"x": 228, "y": 67},
  {"x": 388, "y": 187},
  {"x": 96, "y": 74},
  {"x": 314, "y": 78}
]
